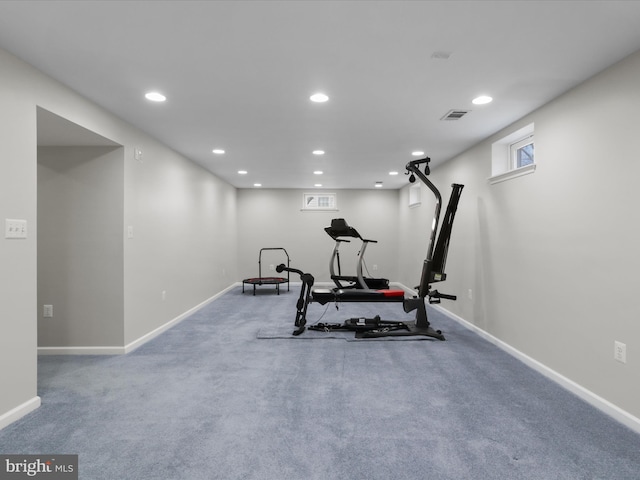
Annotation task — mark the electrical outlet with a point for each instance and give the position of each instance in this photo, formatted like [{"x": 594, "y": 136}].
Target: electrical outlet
[
  {"x": 272, "y": 267},
  {"x": 620, "y": 351},
  {"x": 375, "y": 267},
  {"x": 164, "y": 295},
  {"x": 470, "y": 294},
  {"x": 47, "y": 311}
]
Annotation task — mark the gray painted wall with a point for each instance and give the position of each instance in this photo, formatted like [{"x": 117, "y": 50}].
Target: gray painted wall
[
  {"x": 274, "y": 218},
  {"x": 184, "y": 237},
  {"x": 17, "y": 257},
  {"x": 552, "y": 257},
  {"x": 80, "y": 250},
  {"x": 183, "y": 219}
]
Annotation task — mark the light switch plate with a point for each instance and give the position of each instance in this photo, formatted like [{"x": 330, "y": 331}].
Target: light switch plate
[{"x": 15, "y": 228}]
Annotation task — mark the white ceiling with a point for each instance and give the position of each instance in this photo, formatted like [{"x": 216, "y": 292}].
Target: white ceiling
[{"x": 238, "y": 74}]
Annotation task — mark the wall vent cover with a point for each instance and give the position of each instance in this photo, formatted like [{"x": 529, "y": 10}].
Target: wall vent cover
[{"x": 455, "y": 114}]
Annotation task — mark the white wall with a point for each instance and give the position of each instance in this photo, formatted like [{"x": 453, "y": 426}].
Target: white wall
[
  {"x": 183, "y": 218},
  {"x": 552, "y": 257},
  {"x": 274, "y": 218}
]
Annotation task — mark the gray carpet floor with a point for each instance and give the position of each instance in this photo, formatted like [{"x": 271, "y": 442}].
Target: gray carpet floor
[{"x": 225, "y": 395}]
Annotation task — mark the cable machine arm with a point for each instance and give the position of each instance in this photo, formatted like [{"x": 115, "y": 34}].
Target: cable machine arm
[
  {"x": 433, "y": 266},
  {"x": 413, "y": 169}
]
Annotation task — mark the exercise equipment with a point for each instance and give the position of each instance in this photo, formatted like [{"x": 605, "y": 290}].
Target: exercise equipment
[
  {"x": 260, "y": 280},
  {"x": 338, "y": 230},
  {"x": 432, "y": 272}
]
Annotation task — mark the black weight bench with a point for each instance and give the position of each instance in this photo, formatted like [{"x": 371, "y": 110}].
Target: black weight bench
[{"x": 326, "y": 295}]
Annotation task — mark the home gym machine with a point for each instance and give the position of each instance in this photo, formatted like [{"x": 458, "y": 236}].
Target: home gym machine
[
  {"x": 432, "y": 272},
  {"x": 340, "y": 232}
]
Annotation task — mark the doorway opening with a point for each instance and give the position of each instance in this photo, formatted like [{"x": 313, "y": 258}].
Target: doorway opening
[{"x": 80, "y": 238}]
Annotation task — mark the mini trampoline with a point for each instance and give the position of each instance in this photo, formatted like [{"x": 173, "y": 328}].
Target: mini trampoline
[{"x": 260, "y": 280}]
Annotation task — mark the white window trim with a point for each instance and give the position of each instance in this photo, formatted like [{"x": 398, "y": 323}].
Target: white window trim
[
  {"x": 515, "y": 147},
  {"x": 516, "y": 172},
  {"x": 501, "y": 163}
]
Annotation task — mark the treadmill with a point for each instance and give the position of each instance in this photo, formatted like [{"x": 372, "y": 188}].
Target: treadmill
[{"x": 341, "y": 232}]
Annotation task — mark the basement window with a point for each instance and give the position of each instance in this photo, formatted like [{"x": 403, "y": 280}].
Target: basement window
[
  {"x": 513, "y": 156},
  {"x": 319, "y": 201},
  {"x": 521, "y": 152}
]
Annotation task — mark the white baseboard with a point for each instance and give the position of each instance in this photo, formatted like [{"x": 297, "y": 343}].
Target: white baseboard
[
  {"x": 19, "y": 412},
  {"x": 81, "y": 350},
  {"x": 596, "y": 401},
  {"x": 130, "y": 347},
  {"x": 588, "y": 396}
]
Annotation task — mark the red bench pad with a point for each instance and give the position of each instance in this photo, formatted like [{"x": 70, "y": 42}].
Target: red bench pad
[{"x": 326, "y": 295}]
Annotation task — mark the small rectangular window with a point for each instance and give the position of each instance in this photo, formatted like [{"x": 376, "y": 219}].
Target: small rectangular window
[
  {"x": 325, "y": 202},
  {"x": 522, "y": 152},
  {"x": 513, "y": 155},
  {"x": 319, "y": 201}
]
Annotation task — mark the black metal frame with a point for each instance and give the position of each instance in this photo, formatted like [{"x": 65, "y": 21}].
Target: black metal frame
[
  {"x": 432, "y": 272},
  {"x": 260, "y": 280},
  {"x": 337, "y": 231}
]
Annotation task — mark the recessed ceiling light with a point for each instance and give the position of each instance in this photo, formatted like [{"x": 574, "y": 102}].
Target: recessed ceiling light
[
  {"x": 393, "y": 173},
  {"x": 218, "y": 151},
  {"x": 318, "y": 172},
  {"x": 242, "y": 172},
  {"x": 482, "y": 100},
  {"x": 257, "y": 184},
  {"x": 317, "y": 184},
  {"x": 318, "y": 97},
  {"x": 155, "y": 97},
  {"x": 378, "y": 184},
  {"x": 417, "y": 153},
  {"x": 318, "y": 152}
]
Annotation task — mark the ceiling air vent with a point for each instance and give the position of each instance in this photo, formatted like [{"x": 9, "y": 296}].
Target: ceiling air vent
[{"x": 455, "y": 114}]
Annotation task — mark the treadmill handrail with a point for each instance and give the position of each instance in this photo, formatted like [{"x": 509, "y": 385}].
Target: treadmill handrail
[{"x": 339, "y": 229}]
